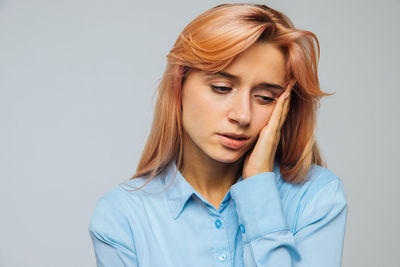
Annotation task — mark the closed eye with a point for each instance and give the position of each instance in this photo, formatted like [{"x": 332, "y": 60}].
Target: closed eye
[
  {"x": 225, "y": 89},
  {"x": 221, "y": 89},
  {"x": 267, "y": 99}
]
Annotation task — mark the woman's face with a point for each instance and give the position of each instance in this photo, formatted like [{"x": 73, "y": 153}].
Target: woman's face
[{"x": 237, "y": 100}]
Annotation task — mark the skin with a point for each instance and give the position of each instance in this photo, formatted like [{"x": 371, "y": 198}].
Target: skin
[{"x": 209, "y": 166}]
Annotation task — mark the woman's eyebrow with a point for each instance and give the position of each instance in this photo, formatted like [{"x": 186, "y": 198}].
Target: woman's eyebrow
[{"x": 263, "y": 85}]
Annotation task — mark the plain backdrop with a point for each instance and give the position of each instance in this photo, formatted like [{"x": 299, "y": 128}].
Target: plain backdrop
[{"x": 76, "y": 84}]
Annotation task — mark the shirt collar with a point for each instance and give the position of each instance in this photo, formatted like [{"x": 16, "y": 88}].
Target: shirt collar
[{"x": 179, "y": 190}]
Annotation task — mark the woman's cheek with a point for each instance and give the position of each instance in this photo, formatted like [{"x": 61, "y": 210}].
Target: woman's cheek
[{"x": 263, "y": 118}]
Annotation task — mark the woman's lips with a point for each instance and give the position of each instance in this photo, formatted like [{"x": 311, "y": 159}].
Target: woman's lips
[{"x": 231, "y": 143}]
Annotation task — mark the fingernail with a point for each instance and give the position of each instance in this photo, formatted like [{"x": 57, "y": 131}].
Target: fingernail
[{"x": 287, "y": 95}]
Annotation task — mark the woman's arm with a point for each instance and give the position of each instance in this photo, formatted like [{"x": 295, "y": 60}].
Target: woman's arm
[
  {"x": 266, "y": 237},
  {"x": 111, "y": 236}
]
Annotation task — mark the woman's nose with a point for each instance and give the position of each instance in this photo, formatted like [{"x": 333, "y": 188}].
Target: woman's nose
[{"x": 240, "y": 109}]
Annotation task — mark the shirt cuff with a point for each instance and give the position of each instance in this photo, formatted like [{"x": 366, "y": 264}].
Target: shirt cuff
[{"x": 258, "y": 205}]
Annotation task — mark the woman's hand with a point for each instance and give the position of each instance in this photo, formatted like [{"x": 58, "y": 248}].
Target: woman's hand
[{"x": 261, "y": 158}]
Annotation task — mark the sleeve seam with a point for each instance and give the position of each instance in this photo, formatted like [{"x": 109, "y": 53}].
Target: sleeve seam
[{"x": 115, "y": 247}]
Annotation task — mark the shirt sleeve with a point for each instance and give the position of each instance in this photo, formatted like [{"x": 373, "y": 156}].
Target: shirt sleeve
[
  {"x": 111, "y": 236},
  {"x": 266, "y": 236}
]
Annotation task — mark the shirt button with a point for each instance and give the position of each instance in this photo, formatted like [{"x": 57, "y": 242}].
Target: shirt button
[
  {"x": 218, "y": 223},
  {"x": 242, "y": 228},
  {"x": 222, "y": 257}
]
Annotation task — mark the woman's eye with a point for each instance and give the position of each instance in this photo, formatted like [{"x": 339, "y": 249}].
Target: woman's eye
[
  {"x": 221, "y": 89},
  {"x": 224, "y": 89},
  {"x": 266, "y": 99}
]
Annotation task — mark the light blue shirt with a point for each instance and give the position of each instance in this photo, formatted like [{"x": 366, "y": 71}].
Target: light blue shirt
[{"x": 262, "y": 221}]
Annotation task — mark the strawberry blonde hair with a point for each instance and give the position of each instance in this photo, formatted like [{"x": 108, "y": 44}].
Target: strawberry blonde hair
[{"x": 211, "y": 42}]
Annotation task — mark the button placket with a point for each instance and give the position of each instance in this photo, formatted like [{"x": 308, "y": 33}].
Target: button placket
[{"x": 221, "y": 243}]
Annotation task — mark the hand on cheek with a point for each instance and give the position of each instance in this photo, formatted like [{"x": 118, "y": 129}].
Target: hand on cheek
[{"x": 261, "y": 158}]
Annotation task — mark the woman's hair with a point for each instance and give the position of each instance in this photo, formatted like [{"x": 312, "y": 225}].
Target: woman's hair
[{"x": 211, "y": 42}]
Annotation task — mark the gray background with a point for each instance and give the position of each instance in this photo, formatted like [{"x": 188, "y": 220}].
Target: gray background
[{"x": 76, "y": 86}]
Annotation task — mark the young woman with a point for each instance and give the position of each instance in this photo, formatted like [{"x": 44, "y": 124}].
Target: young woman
[{"x": 231, "y": 174}]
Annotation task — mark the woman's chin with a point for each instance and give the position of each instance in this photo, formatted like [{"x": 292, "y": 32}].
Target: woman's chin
[{"x": 230, "y": 157}]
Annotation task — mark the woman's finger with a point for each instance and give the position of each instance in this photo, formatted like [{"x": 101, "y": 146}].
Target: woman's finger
[
  {"x": 281, "y": 119},
  {"x": 285, "y": 111},
  {"x": 286, "y": 104},
  {"x": 274, "y": 121}
]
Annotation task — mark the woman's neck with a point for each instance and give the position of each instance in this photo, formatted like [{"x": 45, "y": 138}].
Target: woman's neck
[{"x": 210, "y": 178}]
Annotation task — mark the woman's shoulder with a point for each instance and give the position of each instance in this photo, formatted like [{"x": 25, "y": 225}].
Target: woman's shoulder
[
  {"x": 122, "y": 195},
  {"x": 118, "y": 205},
  {"x": 317, "y": 178},
  {"x": 321, "y": 178}
]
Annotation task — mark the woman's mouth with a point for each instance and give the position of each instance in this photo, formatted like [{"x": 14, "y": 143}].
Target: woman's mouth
[{"x": 233, "y": 142}]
